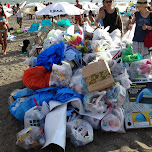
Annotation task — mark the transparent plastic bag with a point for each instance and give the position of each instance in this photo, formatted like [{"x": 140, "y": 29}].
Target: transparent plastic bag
[
  {"x": 30, "y": 61},
  {"x": 116, "y": 67},
  {"x": 11, "y": 98},
  {"x": 61, "y": 75},
  {"x": 18, "y": 103},
  {"x": 124, "y": 79},
  {"x": 49, "y": 42},
  {"x": 89, "y": 57},
  {"x": 95, "y": 102},
  {"x": 95, "y": 123},
  {"x": 97, "y": 45},
  {"x": 36, "y": 116},
  {"x": 31, "y": 137},
  {"x": 116, "y": 95},
  {"x": 140, "y": 69},
  {"x": 77, "y": 82},
  {"x": 81, "y": 132},
  {"x": 70, "y": 118},
  {"x": 113, "y": 121},
  {"x": 119, "y": 72}
]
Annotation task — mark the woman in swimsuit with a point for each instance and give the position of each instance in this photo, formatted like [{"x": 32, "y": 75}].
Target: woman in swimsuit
[{"x": 3, "y": 30}]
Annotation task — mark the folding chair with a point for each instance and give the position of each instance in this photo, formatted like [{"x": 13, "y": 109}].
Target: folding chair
[{"x": 46, "y": 23}]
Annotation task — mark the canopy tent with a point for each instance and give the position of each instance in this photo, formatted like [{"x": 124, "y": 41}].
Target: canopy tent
[{"x": 60, "y": 8}]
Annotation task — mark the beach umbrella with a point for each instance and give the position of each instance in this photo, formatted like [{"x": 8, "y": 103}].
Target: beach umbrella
[
  {"x": 8, "y": 14},
  {"x": 60, "y": 8},
  {"x": 89, "y": 6},
  {"x": 122, "y": 6},
  {"x": 8, "y": 11},
  {"x": 30, "y": 8}
]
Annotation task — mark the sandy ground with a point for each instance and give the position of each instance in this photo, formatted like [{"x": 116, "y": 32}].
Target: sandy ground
[{"x": 12, "y": 67}]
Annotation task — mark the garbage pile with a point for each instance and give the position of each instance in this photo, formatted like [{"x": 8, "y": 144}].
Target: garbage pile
[{"x": 74, "y": 85}]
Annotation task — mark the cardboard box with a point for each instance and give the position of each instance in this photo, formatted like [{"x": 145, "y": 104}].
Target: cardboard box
[
  {"x": 138, "y": 106},
  {"x": 97, "y": 76}
]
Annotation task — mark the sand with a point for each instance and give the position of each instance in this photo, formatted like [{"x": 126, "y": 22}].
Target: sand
[{"x": 12, "y": 66}]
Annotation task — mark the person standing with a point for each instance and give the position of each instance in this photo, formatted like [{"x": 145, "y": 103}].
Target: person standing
[
  {"x": 110, "y": 16},
  {"x": 78, "y": 18},
  {"x": 143, "y": 19},
  {"x": 3, "y": 30},
  {"x": 19, "y": 16}
]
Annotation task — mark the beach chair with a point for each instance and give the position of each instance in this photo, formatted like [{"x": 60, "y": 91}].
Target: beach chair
[
  {"x": 46, "y": 23},
  {"x": 34, "y": 28}
]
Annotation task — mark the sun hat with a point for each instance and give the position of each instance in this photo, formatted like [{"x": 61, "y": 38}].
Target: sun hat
[{"x": 142, "y": 3}]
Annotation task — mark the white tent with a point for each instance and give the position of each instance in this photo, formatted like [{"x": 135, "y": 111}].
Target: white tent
[{"x": 60, "y": 8}]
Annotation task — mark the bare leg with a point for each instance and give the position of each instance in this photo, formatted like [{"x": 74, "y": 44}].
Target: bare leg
[
  {"x": 5, "y": 42},
  {"x": 1, "y": 41}
]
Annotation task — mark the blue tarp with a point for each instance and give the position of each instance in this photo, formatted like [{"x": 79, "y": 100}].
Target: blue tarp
[
  {"x": 52, "y": 55},
  {"x": 46, "y": 94}
]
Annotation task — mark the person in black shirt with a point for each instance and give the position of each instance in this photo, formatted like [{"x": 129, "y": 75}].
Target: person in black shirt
[{"x": 110, "y": 16}]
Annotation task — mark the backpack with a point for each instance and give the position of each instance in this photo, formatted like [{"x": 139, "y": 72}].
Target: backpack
[{"x": 148, "y": 38}]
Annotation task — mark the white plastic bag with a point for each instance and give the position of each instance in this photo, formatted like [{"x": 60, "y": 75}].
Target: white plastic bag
[
  {"x": 61, "y": 75},
  {"x": 95, "y": 102},
  {"x": 119, "y": 72},
  {"x": 36, "y": 116},
  {"x": 113, "y": 121},
  {"x": 77, "y": 82},
  {"x": 95, "y": 123},
  {"x": 101, "y": 34},
  {"x": 81, "y": 132},
  {"x": 116, "y": 36},
  {"x": 31, "y": 137},
  {"x": 70, "y": 118},
  {"x": 48, "y": 42},
  {"x": 128, "y": 37},
  {"x": 116, "y": 95},
  {"x": 30, "y": 61},
  {"x": 56, "y": 34}
]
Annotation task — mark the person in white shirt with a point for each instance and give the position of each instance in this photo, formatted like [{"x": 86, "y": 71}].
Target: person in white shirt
[{"x": 19, "y": 16}]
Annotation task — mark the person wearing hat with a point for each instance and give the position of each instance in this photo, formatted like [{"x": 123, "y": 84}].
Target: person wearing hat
[{"x": 143, "y": 19}]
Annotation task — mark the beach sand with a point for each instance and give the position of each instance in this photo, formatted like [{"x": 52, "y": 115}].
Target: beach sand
[{"x": 12, "y": 66}]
